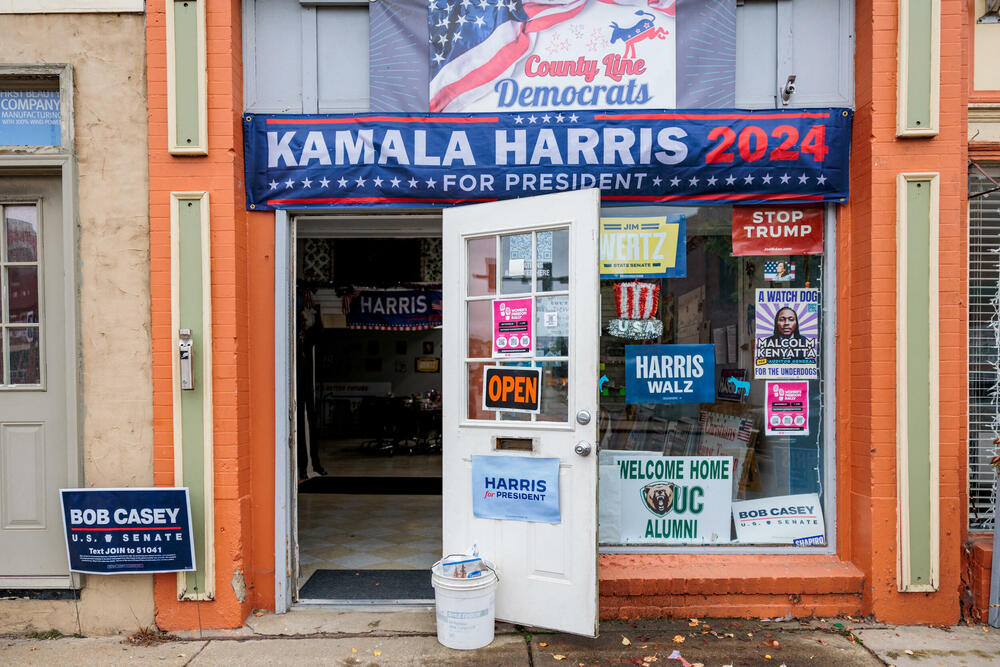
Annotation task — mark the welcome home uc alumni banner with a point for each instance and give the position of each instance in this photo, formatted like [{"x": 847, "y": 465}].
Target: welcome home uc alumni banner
[{"x": 405, "y": 160}]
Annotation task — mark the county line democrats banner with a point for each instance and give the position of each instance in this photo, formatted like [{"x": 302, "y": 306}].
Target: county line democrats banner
[
  {"x": 511, "y": 55},
  {"x": 669, "y": 156}
]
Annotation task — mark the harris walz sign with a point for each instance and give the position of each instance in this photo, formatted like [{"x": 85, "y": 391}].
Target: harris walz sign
[
  {"x": 128, "y": 531},
  {"x": 680, "y": 156}
]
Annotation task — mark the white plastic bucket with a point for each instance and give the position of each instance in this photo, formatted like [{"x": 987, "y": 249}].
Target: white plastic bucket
[{"x": 465, "y": 608}]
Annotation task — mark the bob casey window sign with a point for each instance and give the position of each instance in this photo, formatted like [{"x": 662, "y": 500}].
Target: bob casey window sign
[
  {"x": 679, "y": 156},
  {"x": 127, "y": 531}
]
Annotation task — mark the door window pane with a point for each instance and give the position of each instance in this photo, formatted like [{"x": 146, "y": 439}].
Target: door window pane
[
  {"x": 553, "y": 260},
  {"x": 22, "y": 233},
  {"x": 22, "y": 293},
  {"x": 515, "y": 263},
  {"x": 482, "y": 266},
  {"x": 25, "y": 360},
  {"x": 552, "y": 326},
  {"x": 474, "y": 372},
  {"x": 555, "y": 392},
  {"x": 20, "y": 313},
  {"x": 480, "y": 322}
]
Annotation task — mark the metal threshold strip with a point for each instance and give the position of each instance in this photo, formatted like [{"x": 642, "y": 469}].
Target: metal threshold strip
[{"x": 364, "y": 603}]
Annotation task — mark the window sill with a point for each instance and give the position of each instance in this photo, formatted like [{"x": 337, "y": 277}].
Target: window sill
[{"x": 665, "y": 585}]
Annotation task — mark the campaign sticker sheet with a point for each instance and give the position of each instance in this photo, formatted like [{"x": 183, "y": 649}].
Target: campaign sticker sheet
[
  {"x": 795, "y": 519},
  {"x": 786, "y": 341},
  {"x": 513, "y": 322},
  {"x": 787, "y": 408}
]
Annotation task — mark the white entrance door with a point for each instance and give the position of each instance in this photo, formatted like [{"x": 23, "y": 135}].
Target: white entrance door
[
  {"x": 34, "y": 453},
  {"x": 543, "y": 248}
]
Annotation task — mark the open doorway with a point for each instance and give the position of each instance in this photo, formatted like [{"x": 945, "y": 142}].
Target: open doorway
[{"x": 368, "y": 403}]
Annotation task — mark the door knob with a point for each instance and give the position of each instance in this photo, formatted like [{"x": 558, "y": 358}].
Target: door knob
[
  {"x": 582, "y": 448},
  {"x": 583, "y": 417}
]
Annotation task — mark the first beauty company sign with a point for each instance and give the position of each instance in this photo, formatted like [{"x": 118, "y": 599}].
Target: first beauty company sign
[{"x": 676, "y": 156}]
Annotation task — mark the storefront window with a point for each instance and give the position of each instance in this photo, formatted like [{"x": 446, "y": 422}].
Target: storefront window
[{"x": 728, "y": 455}]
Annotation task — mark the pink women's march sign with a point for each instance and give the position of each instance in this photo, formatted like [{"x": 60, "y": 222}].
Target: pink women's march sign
[
  {"x": 787, "y": 408},
  {"x": 513, "y": 334}
]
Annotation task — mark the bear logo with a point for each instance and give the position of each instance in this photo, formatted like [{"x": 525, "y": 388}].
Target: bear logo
[{"x": 659, "y": 497}]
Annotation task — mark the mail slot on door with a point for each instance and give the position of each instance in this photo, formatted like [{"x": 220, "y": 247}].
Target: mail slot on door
[{"x": 184, "y": 350}]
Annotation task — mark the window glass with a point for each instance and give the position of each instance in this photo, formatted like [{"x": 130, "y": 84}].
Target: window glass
[
  {"x": 20, "y": 314},
  {"x": 684, "y": 472}
]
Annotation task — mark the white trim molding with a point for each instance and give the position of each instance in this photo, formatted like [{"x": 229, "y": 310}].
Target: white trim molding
[{"x": 71, "y": 6}]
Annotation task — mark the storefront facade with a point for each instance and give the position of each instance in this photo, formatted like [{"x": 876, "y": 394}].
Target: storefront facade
[
  {"x": 882, "y": 448},
  {"x": 76, "y": 385}
]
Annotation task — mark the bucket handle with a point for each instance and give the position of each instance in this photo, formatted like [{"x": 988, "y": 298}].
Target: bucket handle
[{"x": 485, "y": 564}]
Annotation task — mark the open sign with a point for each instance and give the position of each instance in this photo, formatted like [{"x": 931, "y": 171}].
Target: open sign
[{"x": 512, "y": 388}]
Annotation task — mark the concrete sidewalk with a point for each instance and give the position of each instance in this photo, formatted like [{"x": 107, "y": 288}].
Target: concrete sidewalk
[{"x": 317, "y": 636}]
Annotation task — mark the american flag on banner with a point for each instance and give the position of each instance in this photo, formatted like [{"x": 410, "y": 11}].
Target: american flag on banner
[{"x": 474, "y": 43}]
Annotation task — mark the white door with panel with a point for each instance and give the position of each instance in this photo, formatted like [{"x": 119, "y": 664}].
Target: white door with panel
[
  {"x": 543, "y": 248},
  {"x": 34, "y": 453}
]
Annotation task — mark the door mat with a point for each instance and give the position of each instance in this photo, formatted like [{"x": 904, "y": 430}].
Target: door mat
[
  {"x": 430, "y": 486},
  {"x": 368, "y": 585}
]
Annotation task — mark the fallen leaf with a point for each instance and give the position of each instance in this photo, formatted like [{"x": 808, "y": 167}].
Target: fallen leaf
[
  {"x": 678, "y": 639},
  {"x": 558, "y": 656},
  {"x": 767, "y": 656},
  {"x": 543, "y": 644},
  {"x": 985, "y": 629},
  {"x": 650, "y": 658},
  {"x": 908, "y": 652},
  {"x": 749, "y": 634},
  {"x": 693, "y": 623},
  {"x": 697, "y": 664},
  {"x": 258, "y": 613},
  {"x": 354, "y": 650},
  {"x": 376, "y": 653},
  {"x": 626, "y": 642},
  {"x": 694, "y": 620}
]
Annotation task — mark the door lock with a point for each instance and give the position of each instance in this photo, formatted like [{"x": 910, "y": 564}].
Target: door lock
[
  {"x": 582, "y": 448},
  {"x": 583, "y": 417},
  {"x": 184, "y": 345}
]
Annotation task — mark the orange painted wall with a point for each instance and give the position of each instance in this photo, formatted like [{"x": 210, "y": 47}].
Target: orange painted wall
[
  {"x": 220, "y": 174},
  {"x": 242, "y": 292},
  {"x": 866, "y": 328}
]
